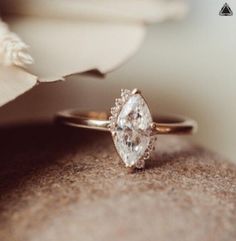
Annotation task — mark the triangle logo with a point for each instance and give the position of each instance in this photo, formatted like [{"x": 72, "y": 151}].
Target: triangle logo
[{"x": 226, "y": 10}]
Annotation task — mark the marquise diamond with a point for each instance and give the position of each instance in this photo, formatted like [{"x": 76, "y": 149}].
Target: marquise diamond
[{"x": 131, "y": 132}]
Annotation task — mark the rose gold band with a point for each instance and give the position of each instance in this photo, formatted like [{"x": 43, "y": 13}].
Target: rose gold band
[{"x": 100, "y": 121}]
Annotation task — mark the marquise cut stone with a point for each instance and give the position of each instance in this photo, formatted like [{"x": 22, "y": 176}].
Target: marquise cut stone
[{"x": 132, "y": 131}]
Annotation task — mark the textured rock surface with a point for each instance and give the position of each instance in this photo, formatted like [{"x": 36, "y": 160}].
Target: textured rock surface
[{"x": 67, "y": 184}]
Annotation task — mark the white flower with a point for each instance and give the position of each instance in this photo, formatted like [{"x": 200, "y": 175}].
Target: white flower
[{"x": 75, "y": 37}]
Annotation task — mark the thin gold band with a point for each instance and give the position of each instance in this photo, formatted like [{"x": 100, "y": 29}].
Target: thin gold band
[{"x": 100, "y": 121}]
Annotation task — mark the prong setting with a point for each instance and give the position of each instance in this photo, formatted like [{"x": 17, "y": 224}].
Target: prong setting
[{"x": 136, "y": 91}]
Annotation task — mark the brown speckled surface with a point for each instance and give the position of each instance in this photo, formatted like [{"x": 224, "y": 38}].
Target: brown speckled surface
[{"x": 63, "y": 184}]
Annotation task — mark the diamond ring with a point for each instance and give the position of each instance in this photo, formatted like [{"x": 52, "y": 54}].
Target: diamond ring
[{"x": 133, "y": 129}]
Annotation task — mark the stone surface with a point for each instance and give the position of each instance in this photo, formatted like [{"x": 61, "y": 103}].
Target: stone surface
[
  {"x": 133, "y": 130},
  {"x": 60, "y": 184}
]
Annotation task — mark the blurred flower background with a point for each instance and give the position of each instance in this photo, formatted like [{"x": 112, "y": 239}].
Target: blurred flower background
[{"x": 185, "y": 66}]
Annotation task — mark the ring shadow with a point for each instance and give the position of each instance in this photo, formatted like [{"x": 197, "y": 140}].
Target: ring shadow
[{"x": 30, "y": 148}]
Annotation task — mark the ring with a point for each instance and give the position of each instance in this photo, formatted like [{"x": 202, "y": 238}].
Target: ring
[{"x": 133, "y": 129}]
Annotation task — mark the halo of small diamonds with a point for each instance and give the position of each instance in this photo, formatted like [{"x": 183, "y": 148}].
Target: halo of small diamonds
[{"x": 119, "y": 102}]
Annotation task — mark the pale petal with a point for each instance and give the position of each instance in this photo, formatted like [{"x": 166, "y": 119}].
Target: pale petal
[
  {"x": 80, "y": 47},
  {"x": 14, "y": 81}
]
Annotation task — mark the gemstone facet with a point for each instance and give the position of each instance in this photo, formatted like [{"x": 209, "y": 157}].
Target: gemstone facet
[{"x": 131, "y": 129}]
